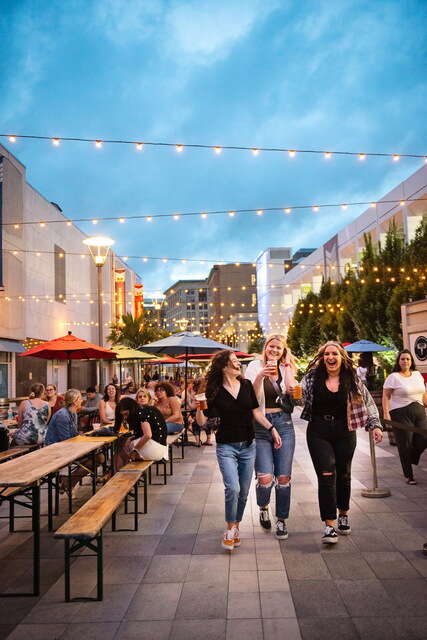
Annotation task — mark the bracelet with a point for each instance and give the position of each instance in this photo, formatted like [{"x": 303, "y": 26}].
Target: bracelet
[{"x": 270, "y": 428}]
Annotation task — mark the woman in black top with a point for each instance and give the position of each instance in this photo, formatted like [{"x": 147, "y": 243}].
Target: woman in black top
[
  {"x": 232, "y": 405},
  {"x": 149, "y": 429},
  {"x": 336, "y": 404}
]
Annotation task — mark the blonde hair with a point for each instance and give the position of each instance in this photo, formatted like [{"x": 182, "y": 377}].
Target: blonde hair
[
  {"x": 71, "y": 396},
  {"x": 286, "y": 350},
  {"x": 145, "y": 392}
]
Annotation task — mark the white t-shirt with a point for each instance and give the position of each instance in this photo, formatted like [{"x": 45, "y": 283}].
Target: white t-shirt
[
  {"x": 405, "y": 390},
  {"x": 362, "y": 372}
]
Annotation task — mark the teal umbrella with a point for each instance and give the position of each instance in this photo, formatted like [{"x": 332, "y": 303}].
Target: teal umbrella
[{"x": 365, "y": 346}]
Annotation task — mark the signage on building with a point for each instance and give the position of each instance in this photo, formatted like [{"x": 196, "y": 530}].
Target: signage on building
[
  {"x": 331, "y": 258},
  {"x": 138, "y": 300},
  {"x": 419, "y": 347},
  {"x": 119, "y": 293}
]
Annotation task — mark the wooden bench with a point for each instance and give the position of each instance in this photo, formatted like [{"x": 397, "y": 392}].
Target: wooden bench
[
  {"x": 172, "y": 439},
  {"x": 84, "y": 528},
  {"x": 14, "y": 452},
  {"x": 144, "y": 468}
]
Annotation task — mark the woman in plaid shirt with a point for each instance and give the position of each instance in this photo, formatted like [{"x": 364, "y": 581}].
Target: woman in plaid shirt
[{"x": 336, "y": 403}]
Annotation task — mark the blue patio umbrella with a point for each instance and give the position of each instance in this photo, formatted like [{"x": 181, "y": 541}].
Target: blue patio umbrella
[{"x": 365, "y": 346}]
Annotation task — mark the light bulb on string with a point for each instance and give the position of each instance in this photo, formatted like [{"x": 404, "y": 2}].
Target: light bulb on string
[
  {"x": 362, "y": 156},
  {"x": 292, "y": 153},
  {"x": 12, "y": 138},
  {"x": 56, "y": 142},
  {"x": 98, "y": 144},
  {"x": 179, "y": 148},
  {"x": 139, "y": 146}
]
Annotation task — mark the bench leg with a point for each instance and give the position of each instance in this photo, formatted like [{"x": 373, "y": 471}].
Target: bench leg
[
  {"x": 170, "y": 460},
  {"x": 135, "y": 521},
  {"x": 165, "y": 475},
  {"x": 49, "y": 504},
  {"x": 146, "y": 491},
  {"x": 36, "y": 538},
  {"x": 11, "y": 515},
  {"x": 95, "y": 544},
  {"x": 70, "y": 495}
]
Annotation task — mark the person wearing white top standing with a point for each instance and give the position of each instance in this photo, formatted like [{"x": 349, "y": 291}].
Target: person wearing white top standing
[
  {"x": 273, "y": 379},
  {"x": 404, "y": 397}
]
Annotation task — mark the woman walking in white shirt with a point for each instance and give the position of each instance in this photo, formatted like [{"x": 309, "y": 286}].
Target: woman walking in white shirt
[
  {"x": 404, "y": 397},
  {"x": 273, "y": 379}
]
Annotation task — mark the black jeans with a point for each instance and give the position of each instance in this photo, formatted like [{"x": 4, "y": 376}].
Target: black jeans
[
  {"x": 410, "y": 445},
  {"x": 331, "y": 447}
]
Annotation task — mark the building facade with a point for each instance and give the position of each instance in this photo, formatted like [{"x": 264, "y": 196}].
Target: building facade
[
  {"x": 48, "y": 283},
  {"x": 232, "y": 291},
  {"x": 346, "y": 247},
  {"x": 185, "y": 307}
]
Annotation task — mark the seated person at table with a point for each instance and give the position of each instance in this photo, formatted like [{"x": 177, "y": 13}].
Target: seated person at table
[
  {"x": 54, "y": 399},
  {"x": 89, "y": 409},
  {"x": 149, "y": 428},
  {"x": 108, "y": 403},
  {"x": 64, "y": 426},
  {"x": 169, "y": 406},
  {"x": 33, "y": 416}
]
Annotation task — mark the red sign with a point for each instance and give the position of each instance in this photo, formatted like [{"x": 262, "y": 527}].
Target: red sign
[
  {"x": 138, "y": 300},
  {"x": 119, "y": 290}
]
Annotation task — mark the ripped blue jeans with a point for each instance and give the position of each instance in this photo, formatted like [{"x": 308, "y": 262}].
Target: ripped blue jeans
[{"x": 275, "y": 462}]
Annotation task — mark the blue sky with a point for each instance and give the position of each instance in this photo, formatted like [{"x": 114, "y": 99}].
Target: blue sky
[{"x": 318, "y": 74}]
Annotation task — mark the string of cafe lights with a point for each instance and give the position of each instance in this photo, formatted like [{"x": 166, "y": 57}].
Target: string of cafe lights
[
  {"x": 286, "y": 209},
  {"x": 392, "y": 275},
  {"x": 217, "y": 149}
]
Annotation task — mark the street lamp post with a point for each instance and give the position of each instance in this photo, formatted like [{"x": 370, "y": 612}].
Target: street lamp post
[{"x": 99, "y": 248}]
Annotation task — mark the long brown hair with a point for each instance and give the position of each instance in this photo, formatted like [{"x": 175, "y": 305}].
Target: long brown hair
[
  {"x": 214, "y": 378},
  {"x": 348, "y": 376}
]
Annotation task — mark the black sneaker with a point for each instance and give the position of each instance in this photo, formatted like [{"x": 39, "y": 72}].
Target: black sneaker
[
  {"x": 264, "y": 518},
  {"x": 281, "y": 530},
  {"x": 330, "y": 536},
  {"x": 343, "y": 525}
]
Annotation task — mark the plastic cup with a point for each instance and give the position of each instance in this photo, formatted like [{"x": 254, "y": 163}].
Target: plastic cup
[
  {"x": 96, "y": 425},
  {"x": 201, "y": 398},
  {"x": 297, "y": 392},
  {"x": 273, "y": 363}
]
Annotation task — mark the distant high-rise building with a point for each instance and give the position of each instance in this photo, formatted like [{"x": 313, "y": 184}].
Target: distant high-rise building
[
  {"x": 232, "y": 292},
  {"x": 185, "y": 306}
]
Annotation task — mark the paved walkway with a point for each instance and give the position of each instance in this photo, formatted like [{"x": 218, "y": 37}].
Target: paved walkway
[{"x": 172, "y": 581}]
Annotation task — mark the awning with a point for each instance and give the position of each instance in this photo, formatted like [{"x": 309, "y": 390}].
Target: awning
[{"x": 12, "y": 346}]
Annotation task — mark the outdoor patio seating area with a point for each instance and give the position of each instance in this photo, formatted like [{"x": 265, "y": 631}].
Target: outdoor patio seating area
[{"x": 171, "y": 580}]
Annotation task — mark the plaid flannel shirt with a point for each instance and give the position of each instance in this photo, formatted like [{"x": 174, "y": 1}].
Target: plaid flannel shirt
[{"x": 362, "y": 411}]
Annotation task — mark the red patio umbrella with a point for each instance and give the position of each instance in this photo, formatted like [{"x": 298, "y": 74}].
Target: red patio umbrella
[{"x": 69, "y": 348}]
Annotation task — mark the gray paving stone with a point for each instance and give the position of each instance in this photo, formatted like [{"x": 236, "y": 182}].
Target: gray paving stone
[
  {"x": 391, "y": 628},
  {"x": 372, "y": 541},
  {"x": 207, "y": 543},
  {"x": 327, "y": 628},
  {"x": 390, "y": 564},
  {"x": 91, "y": 631},
  {"x": 206, "y": 629},
  {"x": 176, "y": 545},
  {"x": 277, "y": 605},
  {"x": 270, "y": 561},
  {"x": 200, "y": 601},
  {"x": 243, "y": 582},
  {"x": 212, "y": 569},
  {"x": 167, "y": 568},
  {"x": 312, "y": 599},
  {"x": 148, "y": 630},
  {"x": 406, "y": 540},
  {"x": 113, "y": 607},
  {"x": 305, "y": 566},
  {"x": 155, "y": 602},
  {"x": 278, "y": 628},
  {"x": 273, "y": 581},
  {"x": 243, "y": 605},
  {"x": 417, "y": 560},
  {"x": 243, "y": 561},
  {"x": 119, "y": 544},
  {"x": 37, "y": 632},
  {"x": 366, "y": 598},
  {"x": 348, "y": 566},
  {"x": 124, "y": 570},
  {"x": 182, "y": 526},
  {"x": 408, "y": 595},
  {"x": 244, "y": 630}
]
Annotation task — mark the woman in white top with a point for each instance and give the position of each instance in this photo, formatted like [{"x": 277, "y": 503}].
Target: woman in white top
[
  {"x": 404, "y": 397},
  {"x": 108, "y": 404},
  {"x": 273, "y": 377}
]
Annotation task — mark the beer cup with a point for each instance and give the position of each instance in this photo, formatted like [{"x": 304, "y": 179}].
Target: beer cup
[
  {"x": 297, "y": 392},
  {"x": 274, "y": 363},
  {"x": 201, "y": 398}
]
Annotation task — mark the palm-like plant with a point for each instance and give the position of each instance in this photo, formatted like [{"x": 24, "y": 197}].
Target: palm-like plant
[{"x": 131, "y": 332}]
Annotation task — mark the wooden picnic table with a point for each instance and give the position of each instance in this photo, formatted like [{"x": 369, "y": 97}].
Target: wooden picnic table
[{"x": 27, "y": 473}]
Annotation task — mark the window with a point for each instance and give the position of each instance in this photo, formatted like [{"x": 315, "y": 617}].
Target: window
[
  {"x": 253, "y": 279},
  {"x": 253, "y": 299}
]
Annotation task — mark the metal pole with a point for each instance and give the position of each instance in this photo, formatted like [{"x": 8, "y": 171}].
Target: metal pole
[
  {"x": 100, "y": 332},
  {"x": 375, "y": 492}
]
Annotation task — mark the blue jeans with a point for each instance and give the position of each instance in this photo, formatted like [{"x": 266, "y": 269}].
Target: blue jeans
[
  {"x": 236, "y": 462},
  {"x": 174, "y": 427},
  {"x": 275, "y": 462}
]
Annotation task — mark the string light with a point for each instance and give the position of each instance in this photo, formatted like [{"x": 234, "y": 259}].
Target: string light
[
  {"x": 287, "y": 209},
  {"x": 218, "y": 150},
  {"x": 56, "y": 142},
  {"x": 259, "y": 212},
  {"x": 139, "y": 146},
  {"x": 255, "y": 150},
  {"x": 328, "y": 155}
]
